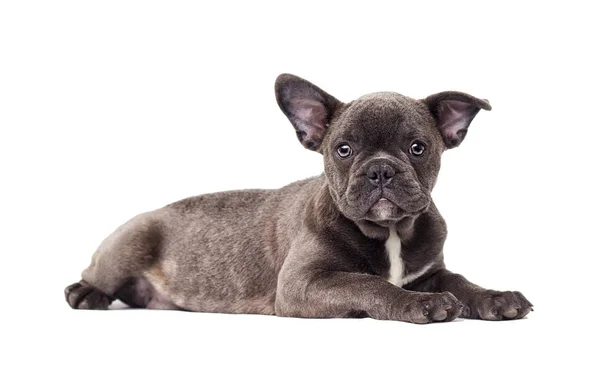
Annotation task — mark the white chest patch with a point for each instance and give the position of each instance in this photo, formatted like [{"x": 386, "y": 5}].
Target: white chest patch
[
  {"x": 396, "y": 275},
  {"x": 394, "y": 248}
]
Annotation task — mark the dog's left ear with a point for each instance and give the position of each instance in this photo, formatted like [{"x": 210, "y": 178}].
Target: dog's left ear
[
  {"x": 309, "y": 108},
  {"x": 453, "y": 112}
]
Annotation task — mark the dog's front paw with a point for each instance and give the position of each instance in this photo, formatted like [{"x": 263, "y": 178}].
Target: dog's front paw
[
  {"x": 432, "y": 307},
  {"x": 497, "y": 305}
]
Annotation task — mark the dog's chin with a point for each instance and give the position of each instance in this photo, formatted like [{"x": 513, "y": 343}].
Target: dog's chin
[{"x": 383, "y": 210}]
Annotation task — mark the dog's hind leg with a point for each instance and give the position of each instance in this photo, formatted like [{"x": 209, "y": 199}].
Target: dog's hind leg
[{"x": 121, "y": 257}]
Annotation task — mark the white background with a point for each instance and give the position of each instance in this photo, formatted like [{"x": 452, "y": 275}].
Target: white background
[{"x": 112, "y": 108}]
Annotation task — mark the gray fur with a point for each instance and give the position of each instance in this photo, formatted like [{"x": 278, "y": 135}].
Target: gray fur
[{"x": 314, "y": 248}]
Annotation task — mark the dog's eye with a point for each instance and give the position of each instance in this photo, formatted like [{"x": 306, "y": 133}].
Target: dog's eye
[
  {"x": 344, "y": 150},
  {"x": 417, "y": 148}
]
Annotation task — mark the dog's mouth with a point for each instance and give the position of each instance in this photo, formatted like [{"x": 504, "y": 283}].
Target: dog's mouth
[{"x": 385, "y": 209}]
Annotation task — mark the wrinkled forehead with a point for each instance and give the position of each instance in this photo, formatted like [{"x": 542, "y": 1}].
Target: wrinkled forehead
[{"x": 384, "y": 116}]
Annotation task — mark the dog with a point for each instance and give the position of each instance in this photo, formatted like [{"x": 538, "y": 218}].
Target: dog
[{"x": 364, "y": 239}]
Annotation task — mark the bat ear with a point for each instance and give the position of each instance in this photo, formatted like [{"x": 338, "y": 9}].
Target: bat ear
[
  {"x": 453, "y": 112},
  {"x": 308, "y": 108}
]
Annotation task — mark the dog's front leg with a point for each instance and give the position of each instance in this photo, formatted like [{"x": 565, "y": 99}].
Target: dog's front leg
[
  {"x": 479, "y": 303},
  {"x": 310, "y": 289}
]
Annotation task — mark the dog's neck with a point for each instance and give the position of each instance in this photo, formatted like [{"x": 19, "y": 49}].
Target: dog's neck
[{"x": 381, "y": 230}]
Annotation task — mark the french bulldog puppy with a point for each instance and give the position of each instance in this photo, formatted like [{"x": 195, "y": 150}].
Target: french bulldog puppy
[{"x": 364, "y": 239}]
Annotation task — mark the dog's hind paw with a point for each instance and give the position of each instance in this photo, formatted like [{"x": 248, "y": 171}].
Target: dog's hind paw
[{"x": 82, "y": 295}]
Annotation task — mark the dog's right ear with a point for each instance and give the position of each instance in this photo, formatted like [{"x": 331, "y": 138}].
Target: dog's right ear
[{"x": 308, "y": 108}]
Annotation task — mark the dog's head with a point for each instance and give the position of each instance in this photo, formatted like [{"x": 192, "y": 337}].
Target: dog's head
[{"x": 382, "y": 151}]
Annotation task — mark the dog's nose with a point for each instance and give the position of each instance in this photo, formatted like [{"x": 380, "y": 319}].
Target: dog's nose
[{"x": 380, "y": 174}]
